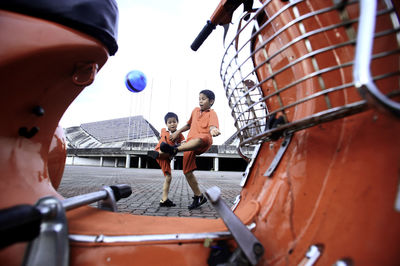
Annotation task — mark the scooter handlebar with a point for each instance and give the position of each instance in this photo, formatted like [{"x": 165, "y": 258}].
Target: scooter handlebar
[{"x": 203, "y": 35}]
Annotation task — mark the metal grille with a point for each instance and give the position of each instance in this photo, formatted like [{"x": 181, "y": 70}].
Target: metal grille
[{"x": 289, "y": 66}]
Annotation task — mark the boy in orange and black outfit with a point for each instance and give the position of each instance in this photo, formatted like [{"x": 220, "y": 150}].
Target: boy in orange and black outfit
[
  {"x": 163, "y": 159},
  {"x": 203, "y": 125}
]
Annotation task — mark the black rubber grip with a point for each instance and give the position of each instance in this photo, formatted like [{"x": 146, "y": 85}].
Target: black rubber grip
[
  {"x": 19, "y": 223},
  {"x": 205, "y": 32},
  {"x": 121, "y": 191}
]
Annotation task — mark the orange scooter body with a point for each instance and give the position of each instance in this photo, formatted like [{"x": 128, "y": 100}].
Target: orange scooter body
[
  {"x": 39, "y": 61},
  {"x": 335, "y": 187},
  {"x": 337, "y": 184}
]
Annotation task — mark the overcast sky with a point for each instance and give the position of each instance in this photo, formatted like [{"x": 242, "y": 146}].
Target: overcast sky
[{"x": 154, "y": 36}]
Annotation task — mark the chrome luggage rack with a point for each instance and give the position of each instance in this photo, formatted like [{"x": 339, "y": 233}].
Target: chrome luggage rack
[{"x": 260, "y": 32}]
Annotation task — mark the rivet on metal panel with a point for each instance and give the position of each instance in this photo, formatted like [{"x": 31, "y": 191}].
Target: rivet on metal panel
[
  {"x": 38, "y": 110},
  {"x": 28, "y": 133}
]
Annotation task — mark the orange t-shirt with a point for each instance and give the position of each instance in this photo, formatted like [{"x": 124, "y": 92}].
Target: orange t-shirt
[
  {"x": 200, "y": 122},
  {"x": 165, "y": 138}
]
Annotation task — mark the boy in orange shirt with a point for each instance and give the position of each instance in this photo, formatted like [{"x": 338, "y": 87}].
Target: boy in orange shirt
[
  {"x": 164, "y": 159},
  {"x": 203, "y": 125}
]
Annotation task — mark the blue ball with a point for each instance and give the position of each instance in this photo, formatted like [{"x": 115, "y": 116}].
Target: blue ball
[{"x": 135, "y": 81}]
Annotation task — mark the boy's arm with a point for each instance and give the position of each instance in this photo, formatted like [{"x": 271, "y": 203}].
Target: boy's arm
[
  {"x": 214, "y": 131},
  {"x": 176, "y": 134}
]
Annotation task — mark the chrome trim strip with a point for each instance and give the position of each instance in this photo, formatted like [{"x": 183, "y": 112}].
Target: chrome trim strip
[
  {"x": 147, "y": 238},
  {"x": 236, "y": 202}
]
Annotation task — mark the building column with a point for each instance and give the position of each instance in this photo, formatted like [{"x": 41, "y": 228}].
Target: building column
[
  {"x": 116, "y": 162},
  {"x": 73, "y": 160},
  {"x": 139, "y": 162},
  {"x": 127, "y": 161},
  {"x": 216, "y": 164},
  {"x": 101, "y": 161},
  {"x": 173, "y": 164}
]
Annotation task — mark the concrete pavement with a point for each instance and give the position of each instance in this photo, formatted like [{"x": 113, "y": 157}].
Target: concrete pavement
[{"x": 147, "y": 188}]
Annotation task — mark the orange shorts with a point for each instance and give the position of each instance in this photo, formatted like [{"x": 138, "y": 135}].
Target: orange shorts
[
  {"x": 165, "y": 165},
  {"x": 164, "y": 162},
  {"x": 189, "y": 157}
]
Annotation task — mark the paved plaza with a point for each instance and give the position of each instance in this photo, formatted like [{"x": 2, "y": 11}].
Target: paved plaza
[{"x": 146, "y": 187}]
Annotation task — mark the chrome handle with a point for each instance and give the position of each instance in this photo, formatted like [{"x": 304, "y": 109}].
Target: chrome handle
[{"x": 362, "y": 62}]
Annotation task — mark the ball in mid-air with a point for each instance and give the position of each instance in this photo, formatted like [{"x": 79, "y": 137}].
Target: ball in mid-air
[{"x": 135, "y": 81}]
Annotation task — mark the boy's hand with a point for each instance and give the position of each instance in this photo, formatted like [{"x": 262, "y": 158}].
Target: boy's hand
[
  {"x": 214, "y": 132},
  {"x": 173, "y": 136}
]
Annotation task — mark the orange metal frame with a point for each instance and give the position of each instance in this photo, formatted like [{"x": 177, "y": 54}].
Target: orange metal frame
[{"x": 335, "y": 187}]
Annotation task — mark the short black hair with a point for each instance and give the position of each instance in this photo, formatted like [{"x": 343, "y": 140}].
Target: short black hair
[
  {"x": 169, "y": 115},
  {"x": 210, "y": 95}
]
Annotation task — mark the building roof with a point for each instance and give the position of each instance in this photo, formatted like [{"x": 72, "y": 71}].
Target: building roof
[
  {"x": 127, "y": 134},
  {"x": 112, "y": 133}
]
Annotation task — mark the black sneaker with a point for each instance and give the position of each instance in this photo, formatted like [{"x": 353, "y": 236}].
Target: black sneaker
[
  {"x": 165, "y": 147},
  {"x": 167, "y": 203},
  {"x": 153, "y": 154},
  {"x": 197, "y": 202}
]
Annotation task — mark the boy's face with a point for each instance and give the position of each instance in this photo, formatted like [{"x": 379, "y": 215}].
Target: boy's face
[
  {"x": 172, "y": 124},
  {"x": 204, "y": 102}
]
